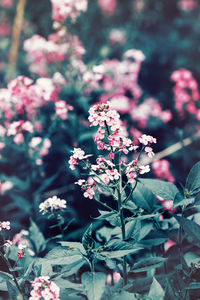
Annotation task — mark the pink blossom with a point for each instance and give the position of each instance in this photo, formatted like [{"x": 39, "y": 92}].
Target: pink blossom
[
  {"x": 5, "y": 225},
  {"x": 51, "y": 204},
  {"x": 89, "y": 193},
  {"x": 62, "y": 9},
  {"x": 116, "y": 277},
  {"x": 45, "y": 289},
  {"x": 19, "y": 138},
  {"x": 45, "y": 147},
  {"x": 8, "y": 243},
  {"x": 161, "y": 169},
  {"x": 144, "y": 169},
  {"x": 147, "y": 139},
  {"x": 108, "y": 6},
  {"x": 187, "y": 5},
  {"x": 149, "y": 152},
  {"x": 62, "y": 109},
  {"x": 168, "y": 245},
  {"x": 6, "y": 3}
]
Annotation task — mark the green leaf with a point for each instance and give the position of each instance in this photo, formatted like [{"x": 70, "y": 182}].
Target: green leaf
[
  {"x": 118, "y": 248},
  {"x": 124, "y": 296},
  {"x": 137, "y": 229},
  {"x": 87, "y": 240},
  {"x": 156, "y": 291},
  {"x": 181, "y": 201},
  {"x": 169, "y": 292},
  {"x": 190, "y": 227},
  {"x": 73, "y": 246},
  {"x": 36, "y": 237},
  {"x": 143, "y": 197},
  {"x": 147, "y": 264},
  {"x": 164, "y": 189},
  {"x": 94, "y": 284},
  {"x": 61, "y": 256},
  {"x": 193, "y": 179},
  {"x": 13, "y": 291}
]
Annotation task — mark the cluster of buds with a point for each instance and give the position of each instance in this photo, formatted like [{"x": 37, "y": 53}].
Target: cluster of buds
[
  {"x": 43, "y": 288},
  {"x": 51, "y": 205}
]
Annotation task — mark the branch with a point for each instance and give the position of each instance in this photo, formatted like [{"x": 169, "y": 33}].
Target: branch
[{"x": 16, "y": 32}]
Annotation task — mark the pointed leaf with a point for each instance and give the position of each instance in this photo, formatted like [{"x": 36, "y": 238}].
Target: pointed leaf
[
  {"x": 190, "y": 227},
  {"x": 94, "y": 284},
  {"x": 87, "y": 240},
  {"x": 147, "y": 264},
  {"x": 124, "y": 296},
  {"x": 156, "y": 291},
  {"x": 163, "y": 189},
  {"x": 36, "y": 237},
  {"x": 193, "y": 179}
]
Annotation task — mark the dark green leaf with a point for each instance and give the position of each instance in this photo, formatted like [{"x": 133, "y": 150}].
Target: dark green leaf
[
  {"x": 193, "y": 179},
  {"x": 94, "y": 284},
  {"x": 147, "y": 264},
  {"x": 143, "y": 197},
  {"x": 13, "y": 291},
  {"x": 36, "y": 237},
  {"x": 163, "y": 189},
  {"x": 73, "y": 246},
  {"x": 87, "y": 240},
  {"x": 190, "y": 227}
]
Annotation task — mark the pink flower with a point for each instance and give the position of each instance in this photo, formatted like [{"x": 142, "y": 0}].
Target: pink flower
[
  {"x": 51, "y": 204},
  {"x": 62, "y": 9},
  {"x": 149, "y": 152},
  {"x": 89, "y": 193},
  {"x": 45, "y": 289},
  {"x": 108, "y": 6},
  {"x": 147, "y": 139},
  {"x": 5, "y": 225},
  {"x": 116, "y": 277},
  {"x": 144, "y": 169},
  {"x": 8, "y": 243},
  {"x": 19, "y": 138},
  {"x": 62, "y": 109}
]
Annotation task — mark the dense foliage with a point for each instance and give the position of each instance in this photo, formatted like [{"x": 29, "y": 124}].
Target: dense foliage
[{"x": 99, "y": 149}]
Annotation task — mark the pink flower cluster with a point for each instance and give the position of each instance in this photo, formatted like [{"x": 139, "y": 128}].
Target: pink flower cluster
[
  {"x": 37, "y": 144},
  {"x": 62, "y": 9},
  {"x": 52, "y": 204},
  {"x": 21, "y": 241},
  {"x": 23, "y": 96},
  {"x": 6, "y": 3},
  {"x": 109, "y": 137},
  {"x": 4, "y": 225},
  {"x": 62, "y": 108},
  {"x": 119, "y": 81},
  {"x": 45, "y": 289},
  {"x": 43, "y": 52},
  {"x": 186, "y": 93},
  {"x": 187, "y": 5},
  {"x": 161, "y": 169},
  {"x": 77, "y": 155}
]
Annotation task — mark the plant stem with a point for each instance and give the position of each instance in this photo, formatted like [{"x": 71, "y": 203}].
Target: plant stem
[
  {"x": 11, "y": 272},
  {"x": 123, "y": 230}
]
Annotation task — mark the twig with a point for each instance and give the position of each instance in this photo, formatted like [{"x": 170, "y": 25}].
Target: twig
[
  {"x": 16, "y": 32},
  {"x": 174, "y": 148}
]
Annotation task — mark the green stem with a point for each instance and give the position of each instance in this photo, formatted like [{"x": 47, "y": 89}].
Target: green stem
[
  {"x": 11, "y": 272},
  {"x": 123, "y": 230}
]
